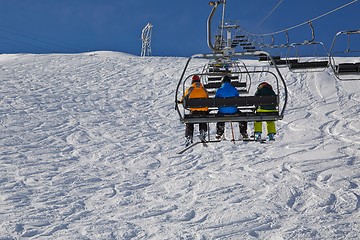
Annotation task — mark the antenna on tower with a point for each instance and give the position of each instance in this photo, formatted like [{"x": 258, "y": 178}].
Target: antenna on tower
[{"x": 146, "y": 40}]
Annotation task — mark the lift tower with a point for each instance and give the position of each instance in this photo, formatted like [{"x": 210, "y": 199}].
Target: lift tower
[{"x": 146, "y": 40}]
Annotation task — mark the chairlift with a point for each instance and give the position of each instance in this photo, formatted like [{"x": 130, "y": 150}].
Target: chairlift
[
  {"x": 214, "y": 71},
  {"x": 345, "y": 62},
  {"x": 278, "y": 56},
  {"x": 246, "y": 103},
  {"x": 314, "y": 63},
  {"x": 238, "y": 40},
  {"x": 225, "y": 61}
]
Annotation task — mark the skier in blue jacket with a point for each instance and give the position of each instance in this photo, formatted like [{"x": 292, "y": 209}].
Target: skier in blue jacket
[{"x": 227, "y": 91}]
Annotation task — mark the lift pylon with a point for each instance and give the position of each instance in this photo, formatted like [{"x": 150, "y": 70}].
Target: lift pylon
[{"x": 146, "y": 40}]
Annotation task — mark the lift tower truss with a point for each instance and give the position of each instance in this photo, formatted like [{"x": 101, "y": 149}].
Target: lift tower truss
[{"x": 146, "y": 40}]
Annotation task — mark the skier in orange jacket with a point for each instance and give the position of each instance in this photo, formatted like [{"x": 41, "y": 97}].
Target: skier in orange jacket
[{"x": 196, "y": 90}]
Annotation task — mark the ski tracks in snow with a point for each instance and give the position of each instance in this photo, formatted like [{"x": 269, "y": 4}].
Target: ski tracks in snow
[
  {"x": 73, "y": 128},
  {"x": 89, "y": 146}
]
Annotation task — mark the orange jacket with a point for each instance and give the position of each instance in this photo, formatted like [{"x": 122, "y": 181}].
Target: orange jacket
[{"x": 197, "y": 90}]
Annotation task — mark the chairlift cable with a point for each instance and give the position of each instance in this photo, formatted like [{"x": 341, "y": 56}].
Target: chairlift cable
[
  {"x": 25, "y": 44},
  {"x": 306, "y": 22},
  {"x": 271, "y": 12},
  {"x": 37, "y": 38}
]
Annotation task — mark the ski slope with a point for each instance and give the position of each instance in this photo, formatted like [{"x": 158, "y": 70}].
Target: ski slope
[{"x": 88, "y": 151}]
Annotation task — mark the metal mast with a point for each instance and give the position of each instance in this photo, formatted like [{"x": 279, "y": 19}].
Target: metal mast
[{"x": 146, "y": 40}]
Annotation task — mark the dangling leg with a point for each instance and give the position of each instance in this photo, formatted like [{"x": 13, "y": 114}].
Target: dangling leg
[
  {"x": 243, "y": 129},
  {"x": 271, "y": 129},
  {"x": 189, "y": 131},
  {"x": 257, "y": 130},
  {"x": 203, "y": 128},
  {"x": 220, "y": 128}
]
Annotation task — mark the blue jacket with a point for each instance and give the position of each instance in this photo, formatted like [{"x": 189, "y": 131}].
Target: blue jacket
[{"x": 227, "y": 91}]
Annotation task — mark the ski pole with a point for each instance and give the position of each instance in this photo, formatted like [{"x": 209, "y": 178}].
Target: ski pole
[
  {"x": 232, "y": 132},
  {"x": 208, "y": 128}
]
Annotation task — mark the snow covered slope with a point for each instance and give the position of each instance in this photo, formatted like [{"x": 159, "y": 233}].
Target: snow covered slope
[{"x": 88, "y": 148}]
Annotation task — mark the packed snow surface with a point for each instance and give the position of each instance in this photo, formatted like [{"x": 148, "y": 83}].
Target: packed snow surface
[{"x": 89, "y": 148}]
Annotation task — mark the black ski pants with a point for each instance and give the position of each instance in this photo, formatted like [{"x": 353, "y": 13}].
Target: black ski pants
[
  {"x": 189, "y": 129},
  {"x": 220, "y": 128}
]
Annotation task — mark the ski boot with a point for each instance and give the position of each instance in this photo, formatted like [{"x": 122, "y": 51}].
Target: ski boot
[
  {"x": 257, "y": 136},
  {"x": 188, "y": 141},
  {"x": 245, "y": 136},
  {"x": 219, "y": 136},
  {"x": 203, "y": 135},
  {"x": 271, "y": 136}
]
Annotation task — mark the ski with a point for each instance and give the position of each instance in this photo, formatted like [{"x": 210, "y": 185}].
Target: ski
[
  {"x": 253, "y": 140},
  {"x": 203, "y": 140},
  {"x": 210, "y": 141},
  {"x": 188, "y": 147}
]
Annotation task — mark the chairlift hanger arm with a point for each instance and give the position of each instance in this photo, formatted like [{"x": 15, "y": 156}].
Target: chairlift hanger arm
[
  {"x": 213, "y": 3},
  {"x": 215, "y": 6},
  {"x": 312, "y": 32},
  {"x": 287, "y": 38}
]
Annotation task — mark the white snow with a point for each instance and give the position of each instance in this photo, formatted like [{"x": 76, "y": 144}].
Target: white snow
[{"x": 88, "y": 151}]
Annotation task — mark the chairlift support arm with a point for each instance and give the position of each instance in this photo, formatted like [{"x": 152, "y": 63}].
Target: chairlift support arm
[
  {"x": 215, "y": 6},
  {"x": 312, "y": 33}
]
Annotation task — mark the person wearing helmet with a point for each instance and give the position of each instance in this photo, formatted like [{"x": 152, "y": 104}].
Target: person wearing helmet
[
  {"x": 227, "y": 91},
  {"x": 265, "y": 89},
  {"x": 196, "y": 90}
]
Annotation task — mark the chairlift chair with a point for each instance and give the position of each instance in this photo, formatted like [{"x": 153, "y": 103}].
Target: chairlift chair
[
  {"x": 346, "y": 62},
  {"x": 315, "y": 62},
  {"x": 246, "y": 103},
  {"x": 276, "y": 50},
  {"x": 214, "y": 71}
]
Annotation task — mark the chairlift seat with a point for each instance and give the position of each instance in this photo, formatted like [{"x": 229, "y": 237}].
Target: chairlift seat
[
  {"x": 239, "y": 40},
  {"x": 218, "y": 70},
  {"x": 313, "y": 64},
  {"x": 239, "y": 117},
  {"x": 218, "y": 78},
  {"x": 348, "y": 68},
  {"x": 236, "y": 84},
  {"x": 281, "y": 61},
  {"x": 246, "y": 44},
  {"x": 249, "y": 48},
  {"x": 263, "y": 58}
]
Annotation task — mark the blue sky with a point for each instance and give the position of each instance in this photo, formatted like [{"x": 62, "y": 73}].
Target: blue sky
[{"x": 43, "y": 26}]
